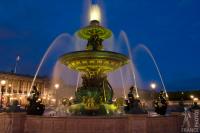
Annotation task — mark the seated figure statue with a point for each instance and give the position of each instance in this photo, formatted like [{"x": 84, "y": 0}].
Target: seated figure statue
[
  {"x": 195, "y": 106},
  {"x": 35, "y": 106},
  {"x": 160, "y": 104},
  {"x": 133, "y": 105}
]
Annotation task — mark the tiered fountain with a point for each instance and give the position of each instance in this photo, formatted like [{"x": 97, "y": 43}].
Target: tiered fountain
[{"x": 95, "y": 95}]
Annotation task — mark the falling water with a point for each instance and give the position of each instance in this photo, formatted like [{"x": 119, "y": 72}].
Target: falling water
[
  {"x": 79, "y": 43},
  {"x": 66, "y": 78},
  {"x": 156, "y": 65},
  {"x": 109, "y": 44},
  {"x": 50, "y": 48},
  {"x": 123, "y": 86},
  {"x": 125, "y": 38},
  {"x": 77, "y": 81}
]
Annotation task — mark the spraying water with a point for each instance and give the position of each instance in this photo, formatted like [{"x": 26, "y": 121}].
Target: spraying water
[
  {"x": 50, "y": 48},
  {"x": 156, "y": 65},
  {"x": 125, "y": 38}
]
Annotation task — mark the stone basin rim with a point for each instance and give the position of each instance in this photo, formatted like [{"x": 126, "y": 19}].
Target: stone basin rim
[
  {"x": 90, "y": 52},
  {"x": 94, "y": 61}
]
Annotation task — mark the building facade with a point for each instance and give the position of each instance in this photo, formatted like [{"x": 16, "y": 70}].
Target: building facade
[{"x": 17, "y": 87}]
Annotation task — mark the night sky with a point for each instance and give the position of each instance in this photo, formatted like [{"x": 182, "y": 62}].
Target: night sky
[{"x": 170, "y": 29}]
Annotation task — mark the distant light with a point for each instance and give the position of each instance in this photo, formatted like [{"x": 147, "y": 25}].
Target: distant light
[
  {"x": 3, "y": 82},
  {"x": 6, "y": 94},
  {"x": 9, "y": 85},
  {"x": 56, "y": 86},
  {"x": 191, "y": 96},
  {"x": 95, "y": 13},
  {"x": 125, "y": 97},
  {"x": 114, "y": 100},
  {"x": 71, "y": 98},
  {"x": 153, "y": 85},
  {"x": 53, "y": 100},
  {"x": 137, "y": 96},
  {"x": 195, "y": 99},
  {"x": 107, "y": 111}
]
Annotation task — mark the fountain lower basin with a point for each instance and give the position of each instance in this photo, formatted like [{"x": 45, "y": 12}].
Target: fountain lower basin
[{"x": 22, "y": 123}]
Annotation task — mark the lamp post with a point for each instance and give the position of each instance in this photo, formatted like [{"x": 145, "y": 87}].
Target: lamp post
[
  {"x": 182, "y": 96},
  {"x": 192, "y": 98},
  {"x": 3, "y": 83},
  {"x": 196, "y": 99},
  {"x": 9, "y": 93},
  {"x": 56, "y": 88}
]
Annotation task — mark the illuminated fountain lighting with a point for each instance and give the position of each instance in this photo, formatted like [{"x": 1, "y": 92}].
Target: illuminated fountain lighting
[
  {"x": 95, "y": 13},
  {"x": 71, "y": 98},
  {"x": 94, "y": 63}
]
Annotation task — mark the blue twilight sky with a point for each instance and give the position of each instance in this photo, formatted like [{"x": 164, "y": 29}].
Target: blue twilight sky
[{"x": 170, "y": 28}]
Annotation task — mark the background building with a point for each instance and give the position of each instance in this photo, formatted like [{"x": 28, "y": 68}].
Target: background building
[{"x": 17, "y": 87}]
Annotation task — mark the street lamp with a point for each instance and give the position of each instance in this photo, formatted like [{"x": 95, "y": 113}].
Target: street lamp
[
  {"x": 56, "y": 86},
  {"x": 192, "y": 97},
  {"x": 3, "y": 83},
  {"x": 9, "y": 88},
  {"x": 153, "y": 86},
  {"x": 195, "y": 99},
  {"x": 182, "y": 96}
]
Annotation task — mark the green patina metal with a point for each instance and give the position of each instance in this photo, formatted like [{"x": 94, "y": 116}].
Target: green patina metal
[
  {"x": 95, "y": 95},
  {"x": 94, "y": 29}
]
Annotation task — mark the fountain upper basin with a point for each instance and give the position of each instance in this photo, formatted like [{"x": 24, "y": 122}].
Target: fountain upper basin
[{"x": 94, "y": 62}]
